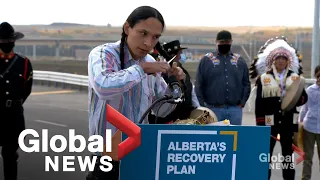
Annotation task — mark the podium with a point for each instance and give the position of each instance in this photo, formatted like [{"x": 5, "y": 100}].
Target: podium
[{"x": 192, "y": 152}]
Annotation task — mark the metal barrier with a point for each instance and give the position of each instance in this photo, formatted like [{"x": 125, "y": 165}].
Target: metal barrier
[
  {"x": 81, "y": 80},
  {"x": 65, "y": 78},
  {"x": 310, "y": 81}
]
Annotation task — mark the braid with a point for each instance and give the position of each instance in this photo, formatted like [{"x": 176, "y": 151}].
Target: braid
[{"x": 123, "y": 38}]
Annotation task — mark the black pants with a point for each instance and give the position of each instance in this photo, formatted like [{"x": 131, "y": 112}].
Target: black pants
[
  {"x": 97, "y": 174},
  {"x": 10, "y": 157},
  {"x": 11, "y": 125},
  {"x": 286, "y": 135}
]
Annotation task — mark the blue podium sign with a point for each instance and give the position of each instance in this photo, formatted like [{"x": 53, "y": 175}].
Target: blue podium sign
[{"x": 189, "y": 152}]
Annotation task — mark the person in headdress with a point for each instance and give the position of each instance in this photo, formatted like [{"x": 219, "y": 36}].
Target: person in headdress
[
  {"x": 190, "y": 100},
  {"x": 254, "y": 73},
  {"x": 222, "y": 81},
  {"x": 277, "y": 69},
  {"x": 15, "y": 87}
]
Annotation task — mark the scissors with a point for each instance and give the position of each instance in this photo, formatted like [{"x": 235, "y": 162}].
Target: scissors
[
  {"x": 167, "y": 62},
  {"x": 172, "y": 59}
]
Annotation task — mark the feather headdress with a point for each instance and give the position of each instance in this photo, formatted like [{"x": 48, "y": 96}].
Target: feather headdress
[{"x": 272, "y": 49}]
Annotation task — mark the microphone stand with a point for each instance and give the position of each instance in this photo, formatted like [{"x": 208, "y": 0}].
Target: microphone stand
[
  {"x": 174, "y": 86},
  {"x": 172, "y": 101},
  {"x": 165, "y": 99}
]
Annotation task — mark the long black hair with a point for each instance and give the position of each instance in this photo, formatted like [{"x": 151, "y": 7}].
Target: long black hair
[{"x": 139, "y": 14}]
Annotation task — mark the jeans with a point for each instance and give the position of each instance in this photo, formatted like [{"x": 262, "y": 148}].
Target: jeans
[{"x": 232, "y": 113}]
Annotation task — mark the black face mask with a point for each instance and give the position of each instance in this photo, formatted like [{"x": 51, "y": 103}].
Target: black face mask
[
  {"x": 224, "y": 48},
  {"x": 7, "y": 47}
]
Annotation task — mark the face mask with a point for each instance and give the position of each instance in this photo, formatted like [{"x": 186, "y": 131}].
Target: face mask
[
  {"x": 183, "y": 58},
  {"x": 224, "y": 48},
  {"x": 7, "y": 47}
]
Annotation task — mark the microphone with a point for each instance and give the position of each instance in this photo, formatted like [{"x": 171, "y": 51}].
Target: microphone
[
  {"x": 172, "y": 80},
  {"x": 175, "y": 87}
]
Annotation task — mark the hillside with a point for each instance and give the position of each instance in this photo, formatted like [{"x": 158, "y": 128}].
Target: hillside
[
  {"x": 202, "y": 34},
  {"x": 258, "y": 35}
]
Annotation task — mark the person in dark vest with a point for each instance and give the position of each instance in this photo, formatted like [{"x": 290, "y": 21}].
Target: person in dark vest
[
  {"x": 15, "y": 87},
  {"x": 190, "y": 100}
]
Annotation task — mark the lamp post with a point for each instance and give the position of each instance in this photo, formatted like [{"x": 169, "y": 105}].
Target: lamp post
[{"x": 315, "y": 38}]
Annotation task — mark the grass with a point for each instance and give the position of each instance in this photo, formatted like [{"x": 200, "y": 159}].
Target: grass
[
  {"x": 259, "y": 33},
  {"x": 191, "y": 68},
  {"x": 66, "y": 66},
  {"x": 81, "y": 67}
]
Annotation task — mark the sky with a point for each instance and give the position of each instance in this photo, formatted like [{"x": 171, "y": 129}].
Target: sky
[{"x": 212, "y": 13}]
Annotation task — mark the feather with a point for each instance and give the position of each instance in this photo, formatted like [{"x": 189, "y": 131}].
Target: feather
[{"x": 266, "y": 58}]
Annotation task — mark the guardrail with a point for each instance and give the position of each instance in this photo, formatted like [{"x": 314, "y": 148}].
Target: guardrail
[
  {"x": 81, "y": 80},
  {"x": 64, "y": 78}
]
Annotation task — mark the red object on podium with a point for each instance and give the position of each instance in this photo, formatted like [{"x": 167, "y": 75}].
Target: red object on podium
[
  {"x": 171, "y": 122},
  {"x": 126, "y": 126}
]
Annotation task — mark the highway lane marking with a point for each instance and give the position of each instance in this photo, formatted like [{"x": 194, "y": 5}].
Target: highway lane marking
[
  {"x": 47, "y": 122},
  {"x": 51, "y": 92}
]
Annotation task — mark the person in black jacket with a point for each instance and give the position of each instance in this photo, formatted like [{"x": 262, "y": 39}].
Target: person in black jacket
[
  {"x": 190, "y": 100},
  {"x": 15, "y": 87},
  {"x": 277, "y": 68}
]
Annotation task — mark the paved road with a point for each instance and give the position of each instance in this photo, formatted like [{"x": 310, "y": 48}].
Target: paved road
[{"x": 62, "y": 110}]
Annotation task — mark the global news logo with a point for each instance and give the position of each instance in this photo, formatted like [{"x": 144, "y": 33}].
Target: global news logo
[{"x": 278, "y": 161}]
